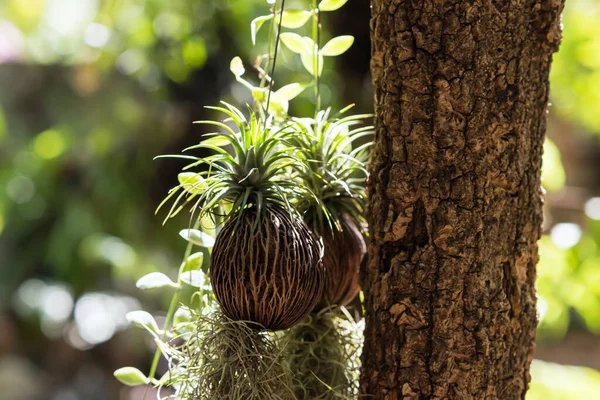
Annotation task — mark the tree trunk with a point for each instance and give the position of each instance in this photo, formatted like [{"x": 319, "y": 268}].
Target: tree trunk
[{"x": 461, "y": 89}]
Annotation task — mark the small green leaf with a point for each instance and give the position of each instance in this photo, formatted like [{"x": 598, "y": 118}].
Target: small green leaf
[
  {"x": 331, "y": 5},
  {"x": 192, "y": 263},
  {"x": 193, "y": 278},
  {"x": 308, "y": 61},
  {"x": 192, "y": 182},
  {"x": 142, "y": 319},
  {"x": 295, "y": 42},
  {"x": 131, "y": 376},
  {"x": 337, "y": 45},
  {"x": 237, "y": 67},
  {"x": 288, "y": 92},
  {"x": 278, "y": 106},
  {"x": 294, "y": 19},
  {"x": 154, "y": 280},
  {"x": 256, "y": 24},
  {"x": 260, "y": 94},
  {"x": 197, "y": 237},
  {"x": 182, "y": 315}
]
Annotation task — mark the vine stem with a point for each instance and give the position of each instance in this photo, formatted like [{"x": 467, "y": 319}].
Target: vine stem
[
  {"x": 277, "y": 39},
  {"x": 316, "y": 36},
  {"x": 170, "y": 314}
]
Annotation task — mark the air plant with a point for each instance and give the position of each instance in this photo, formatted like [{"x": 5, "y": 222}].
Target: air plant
[
  {"x": 266, "y": 264},
  {"x": 284, "y": 197},
  {"x": 333, "y": 170},
  {"x": 220, "y": 358},
  {"x": 265, "y": 267},
  {"x": 321, "y": 355},
  {"x": 323, "y": 352}
]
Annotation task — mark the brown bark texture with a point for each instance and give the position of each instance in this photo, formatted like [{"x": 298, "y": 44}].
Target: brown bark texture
[{"x": 461, "y": 92}]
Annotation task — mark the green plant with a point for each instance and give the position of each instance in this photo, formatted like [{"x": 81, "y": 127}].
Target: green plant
[
  {"x": 333, "y": 169},
  {"x": 323, "y": 352},
  {"x": 272, "y": 185}
]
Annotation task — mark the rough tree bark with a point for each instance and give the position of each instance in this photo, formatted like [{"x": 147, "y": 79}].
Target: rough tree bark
[{"x": 461, "y": 90}]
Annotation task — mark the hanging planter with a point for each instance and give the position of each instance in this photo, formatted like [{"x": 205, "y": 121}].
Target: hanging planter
[
  {"x": 278, "y": 205},
  {"x": 266, "y": 268}
]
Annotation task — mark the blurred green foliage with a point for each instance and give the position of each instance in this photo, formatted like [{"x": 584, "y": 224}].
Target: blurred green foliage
[
  {"x": 558, "y": 382},
  {"x": 576, "y": 68}
]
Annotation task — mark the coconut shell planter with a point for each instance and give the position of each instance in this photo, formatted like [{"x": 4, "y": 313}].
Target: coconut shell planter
[
  {"x": 267, "y": 269},
  {"x": 343, "y": 252}
]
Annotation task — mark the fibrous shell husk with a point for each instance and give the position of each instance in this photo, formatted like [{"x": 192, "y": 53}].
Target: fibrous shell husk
[
  {"x": 343, "y": 252},
  {"x": 267, "y": 268}
]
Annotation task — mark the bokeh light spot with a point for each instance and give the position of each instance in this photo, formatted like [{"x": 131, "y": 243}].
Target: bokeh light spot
[
  {"x": 20, "y": 189},
  {"x": 96, "y": 35},
  {"x": 592, "y": 208},
  {"x": 49, "y": 144},
  {"x": 565, "y": 235}
]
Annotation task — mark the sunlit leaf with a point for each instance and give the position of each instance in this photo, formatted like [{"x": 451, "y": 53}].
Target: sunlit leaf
[
  {"x": 218, "y": 141},
  {"x": 295, "y": 42},
  {"x": 142, "y": 319},
  {"x": 237, "y": 67},
  {"x": 182, "y": 315},
  {"x": 154, "y": 280},
  {"x": 308, "y": 60},
  {"x": 197, "y": 237},
  {"x": 331, "y": 5},
  {"x": 260, "y": 94},
  {"x": 192, "y": 263},
  {"x": 256, "y": 24},
  {"x": 294, "y": 19},
  {"x": 337, "y": 45},
  {"x": 193, "y": 278},
  {"x": 277, "y": 105},
  {"x": 288, "y": 92},
  {"x": 131, "y": 376},
  {"x": 192, "y": 182}
]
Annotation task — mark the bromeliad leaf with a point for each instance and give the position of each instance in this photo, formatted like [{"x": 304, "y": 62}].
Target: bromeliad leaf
[
  {"x": 296, "y": 43},
  {"x": 142, "y": 319},
  {"x": 192, "y": 182},
  {"x": 131, "y": 376},
  {"x": 337, "y": 45},
  {"x": 256, "y": 24},
  {"x": 197, "y": 237},
  {"x": 218, "y": 141},
  {"x": 294, "y": 19},
  {"x": 331, "y": 5},
  {"x": 154, "y": 280}
]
